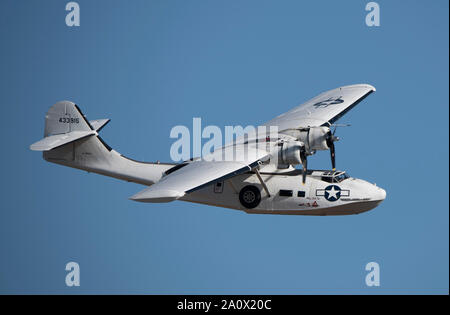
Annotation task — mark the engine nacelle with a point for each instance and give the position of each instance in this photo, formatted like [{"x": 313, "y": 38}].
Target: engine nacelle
[
  {"x": 290, "y": 153},
  {"x": 315, "y": 138}
]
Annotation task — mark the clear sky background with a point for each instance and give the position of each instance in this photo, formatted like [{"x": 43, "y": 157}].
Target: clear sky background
[{"x": 151, "y": 65}]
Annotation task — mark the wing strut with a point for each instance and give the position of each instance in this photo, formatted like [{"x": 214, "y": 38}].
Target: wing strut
[{"x": 262, "y": 182}]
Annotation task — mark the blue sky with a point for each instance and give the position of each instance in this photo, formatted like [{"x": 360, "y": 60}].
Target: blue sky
[{"x": 151, "y": 65}]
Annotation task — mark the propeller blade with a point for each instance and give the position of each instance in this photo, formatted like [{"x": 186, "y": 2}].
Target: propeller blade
[
  {"x": 331, "y": 138},
  {"x": 333, "y": 155},
  {"x": 304, "y": 165}
]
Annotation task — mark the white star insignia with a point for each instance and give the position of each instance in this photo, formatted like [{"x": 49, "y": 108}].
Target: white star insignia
[{"x": 332, "y": 193}]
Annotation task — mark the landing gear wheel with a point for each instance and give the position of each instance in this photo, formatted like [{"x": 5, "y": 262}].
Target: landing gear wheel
[{"x": 250, "y": 197}]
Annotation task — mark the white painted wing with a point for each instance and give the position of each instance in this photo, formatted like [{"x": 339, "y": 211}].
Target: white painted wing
[
  {"x": 324, "y": 109},
  {"x": 201, "y": 173},
  {"x": 55, "y": 141}
]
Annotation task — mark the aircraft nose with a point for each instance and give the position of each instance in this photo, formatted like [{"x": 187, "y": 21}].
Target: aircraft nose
[{"x": 380, "y": 194}]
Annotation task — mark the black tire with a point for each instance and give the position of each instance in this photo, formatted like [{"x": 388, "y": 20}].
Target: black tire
[{"x": 250, "y": 196}]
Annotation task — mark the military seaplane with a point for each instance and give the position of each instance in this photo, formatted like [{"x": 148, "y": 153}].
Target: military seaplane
[{"x": 261, "y": 177}]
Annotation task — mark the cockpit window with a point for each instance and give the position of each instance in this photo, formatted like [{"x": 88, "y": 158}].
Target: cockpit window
[
  {"x": 335, "y": 177},
  {"x": 341, "y": 177}
]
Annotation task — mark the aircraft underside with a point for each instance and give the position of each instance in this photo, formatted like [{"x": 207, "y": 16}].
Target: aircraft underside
[{"x": 289, "y": 196}]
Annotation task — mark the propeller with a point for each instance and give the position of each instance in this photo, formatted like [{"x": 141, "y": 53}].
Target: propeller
[
  {"x": 331, "y": 138},
  {"x": 303, "y": 156}
]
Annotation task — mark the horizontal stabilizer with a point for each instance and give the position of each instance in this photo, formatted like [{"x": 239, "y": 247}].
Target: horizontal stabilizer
[
  {"x": 55, "y": 141},
  {"x": 98, "y": 124}
]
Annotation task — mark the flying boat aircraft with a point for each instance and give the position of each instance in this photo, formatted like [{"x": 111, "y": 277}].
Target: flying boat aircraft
[{"x": 259, "y": 178}]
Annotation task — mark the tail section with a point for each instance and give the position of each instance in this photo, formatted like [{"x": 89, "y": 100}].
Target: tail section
[
  {"x": 64, "y": 123},
  {"x": 71, "y": 140},
  {"x": 65, "y": 117}
]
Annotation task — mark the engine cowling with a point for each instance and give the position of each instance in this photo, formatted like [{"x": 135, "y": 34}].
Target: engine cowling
[
  {"x": 315, "y": 138},
  {"x": 290, "y": 153}
]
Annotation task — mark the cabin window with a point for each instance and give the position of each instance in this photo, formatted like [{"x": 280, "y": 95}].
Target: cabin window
[
  {"x": 218, "y": 187},
  {"x": 301, "y": 194},
  {"x": 285, "y": 193}
]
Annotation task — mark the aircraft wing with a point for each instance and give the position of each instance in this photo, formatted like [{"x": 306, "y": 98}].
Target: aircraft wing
[
  {"x": 201, "y": 173},
  {"x": 324, "y": 109}
]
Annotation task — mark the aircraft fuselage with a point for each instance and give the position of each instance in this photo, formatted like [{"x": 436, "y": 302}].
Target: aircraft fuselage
[{"x": 318, "y": 196}]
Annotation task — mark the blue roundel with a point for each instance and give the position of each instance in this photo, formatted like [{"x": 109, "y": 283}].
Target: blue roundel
[{"x": 332, "y": 193}]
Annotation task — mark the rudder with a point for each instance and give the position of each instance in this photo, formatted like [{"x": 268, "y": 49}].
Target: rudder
[{"x": 65, "y": 117}]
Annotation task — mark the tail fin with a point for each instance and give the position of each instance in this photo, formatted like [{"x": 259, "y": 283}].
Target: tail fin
[
  {"x": 65, "y": 117},
  {"x": 64, "y": 123},
  {"x": 71, "y": 140}
]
